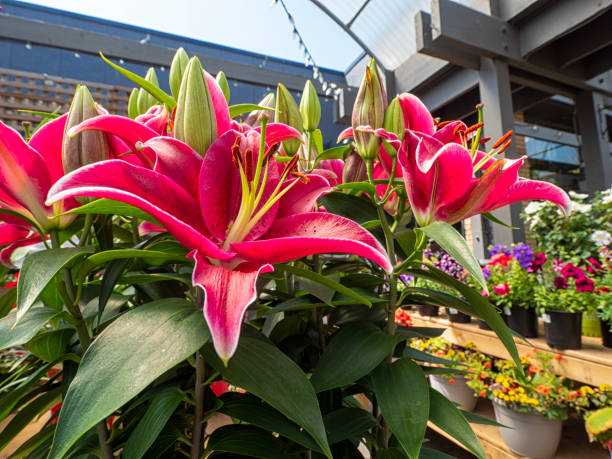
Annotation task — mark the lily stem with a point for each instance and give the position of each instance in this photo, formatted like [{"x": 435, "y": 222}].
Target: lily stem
[
  {"x": 196, "y": 439},
  {"x": 86, "y": 229},
  {"x": 68, "y": 294}
]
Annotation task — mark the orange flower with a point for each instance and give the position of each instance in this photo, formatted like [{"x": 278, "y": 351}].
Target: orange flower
[
  {"x": 451, "y": 381},
  {"x": 487, "y": 364},
  {"x": 533, "y": 369},
  {"x": 483, "y": 375},
  {"x": 483, "y": 393},
  {"x": 542, "y": 389},
  {"x": 558, "y": 357}
]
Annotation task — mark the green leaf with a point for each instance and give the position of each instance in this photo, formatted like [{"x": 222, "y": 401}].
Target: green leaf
[
  {"x": 419, "y": 332},
  {"x": 349, "y": 206},
  {"x": 263, "y": 370},
  {"x": 33, "y": 442},
  {"x": 494, "y": 219},
  {"x": 427, "y": 453},
  {"x": 475, "y": 305},
  {"x": 406, "y": 238},
  {"x": 246, "y": 441},
  {"x": 38, "y": 269},
  {"x": 453, "y": 242},
  {"x": 402, "y": 394},
  {"x": 444, "y": 414},
  {"x": 317, "y": 140},
  {"x": 153, "y": 422},
  {"x": 338, "y": 287},
  {"x": 421, "y": 356},
  {"x": 104, "y": 257},
  {"x": 478, "y": 419},
  {"x": 391, "y": 453},
  {"x": 50, "y": 345},
  {"x": 352, "y": 353},
  {"x": 359, "y": 186},
  {"x": 332, "y": 153},
  {"x": 7, "y": 301},
  {"x": 109, "y": 207},
  {"x": 26, "y": 329},
  {"x": 155, "y": 91},
  {"x": 250, "y": 409},
  {"x": 346, "y": 423},
  {"x": 295, "y": 304},
  {"x": 125, "y": 358},
  {"x": 239, "y": 109},
  {"x": 22, "y": 419}
]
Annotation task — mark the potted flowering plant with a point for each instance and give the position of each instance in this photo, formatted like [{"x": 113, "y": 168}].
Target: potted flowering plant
[
  {"x": 565, "y": 291},
  {"x": 180, "y": 246},
  {"x": 510, "y": 275},
  {"x": 457, "y": 387},
  {"x": 580, "y": 235},
  {"x": 530, "y": 407},
  {"x": 603, "y": 289}
]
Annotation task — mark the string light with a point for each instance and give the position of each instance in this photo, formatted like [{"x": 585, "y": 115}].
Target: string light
[{"x": 328, "y": 88}]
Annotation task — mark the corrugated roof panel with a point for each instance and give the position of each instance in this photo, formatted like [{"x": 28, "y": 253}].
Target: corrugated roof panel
[
  {"x": 387, "y": 28},
  {"x": 344, "y": 9}
]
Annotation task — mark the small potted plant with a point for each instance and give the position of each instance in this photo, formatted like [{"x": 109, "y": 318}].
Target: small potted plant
[
  {"x": 598, "y": 425},
  {"x": 511, "y": 279},
  {"x": 564, "y": 293},
  {"x": 603, "y": 289},
  {"x": 456, "y": 387},
  {"x": 531, "y": 407}
]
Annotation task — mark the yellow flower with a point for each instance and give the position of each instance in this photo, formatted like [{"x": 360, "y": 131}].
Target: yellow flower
[{"x": 605, "y": 387}]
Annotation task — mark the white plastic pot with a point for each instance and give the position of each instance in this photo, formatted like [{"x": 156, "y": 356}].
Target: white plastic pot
[{"x": 458, "y": 392}]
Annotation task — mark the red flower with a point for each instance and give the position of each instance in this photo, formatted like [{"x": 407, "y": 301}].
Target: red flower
[
  {"x": 536, "y": 264},
  {"x": 599, "y": 290},
  {"x": 502, "y": 289},
  {"x": 558, "y": 357},
  {"x": 219, "y": 387},
  {"x": 542, "y": 389},
  {"x": 487, "y": 364},
  {"x": 500, "y": 259},
  {"x": 533, "y": 369},
  {"x": 482, "y": 393},
  {"x": 483, "y": 375},
  {"x": 584, "y": 284},
  {"x": 569, "y": 270},
  {"x": 451, "y": 381},
  {"x": 560, "y": 283}
]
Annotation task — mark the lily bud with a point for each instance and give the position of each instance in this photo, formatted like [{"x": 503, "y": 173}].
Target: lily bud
[
  {"x": 194, "y": 120},
  {"x": 287, "y": 112},
  {"x": 394, "y": 122},
  {"x": 354, "y": 169},
  {"x": 369, "y": 110},
  {"x": 146, "y": 100},
  {"x": 268, "y": 101},
  {"x": 223, "y": 84},
  {"x": 132, "y": 107},
  {"x": 177, "y": 69},
  {"x": 310, "y": 107},
  {"x": 89, "y": 146}
]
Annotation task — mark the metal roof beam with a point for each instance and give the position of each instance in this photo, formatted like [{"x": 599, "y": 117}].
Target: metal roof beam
[
  {"x": 59, "y": 36},
  {"x": 584, "y": 42}
]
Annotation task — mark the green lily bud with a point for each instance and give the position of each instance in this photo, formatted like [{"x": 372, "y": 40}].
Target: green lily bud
[
  {"x": 287, "y": 112},
  {"x": 369, "y": 110},
  {"x": 254, "y": 117},
  {"x": 394, "y": 122},
  {"x": 177, "y": 69},
  {"x": 310, "y": 107},
  {"x": 194, "y": 120},
  {"x": 354, "y": 169},
  {"x": 132, "y": 107},
  {"x": 146, "y": 100},
  {"x": 224, "y": 85},
  {"x": 89, "y": 146}
]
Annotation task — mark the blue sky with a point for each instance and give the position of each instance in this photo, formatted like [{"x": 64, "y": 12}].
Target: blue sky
[{"x": 252, "y": 25}]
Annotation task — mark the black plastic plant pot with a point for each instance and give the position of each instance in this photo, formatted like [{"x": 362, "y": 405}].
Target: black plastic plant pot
[
  {"x": 524, "y": 321},
  {"x": 427, "y": 310},
  {"x": 606, "y": 334},
  {"x": 483, "y": 325},
  {"x": 457, "y": 316},
  {"x": 563, "y": 329}
]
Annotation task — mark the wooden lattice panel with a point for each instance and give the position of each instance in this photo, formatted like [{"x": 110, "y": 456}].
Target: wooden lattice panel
[{"x": 44, "y": 93}]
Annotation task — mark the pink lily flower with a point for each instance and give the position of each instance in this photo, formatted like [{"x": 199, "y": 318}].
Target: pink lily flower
[
  {"x": 234, "y": 209},
  {"x": 14, "y": 236},
  {"x": 442, "y": 186},
  {"x": 27, "y": 171}
]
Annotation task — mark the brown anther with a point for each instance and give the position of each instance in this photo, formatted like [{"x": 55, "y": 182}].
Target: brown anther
[
  {"x": 290, "y": 166},
  {"x": 474, "y": 127},
  {"x": 303, "y": 178},
  {"x": 505, "y": 146},
  {"x": 459, "y": 129},
  {"x": 503, "y": 138},
  {"x": 236, "y": 153},
  {"x": 484, "y": 140},
  {"x": 444, "y": 123},
  {"x": 248, "y": 165},
  {"x": 270, "y": 152}
]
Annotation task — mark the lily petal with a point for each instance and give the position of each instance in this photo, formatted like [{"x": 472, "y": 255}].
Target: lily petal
[
  {"x": 303, "y": 196},
  {"x": 416, "y": 115},
  {"x": 7, "y": 252},
  {"x": 148, "y": 190},
  {"x": 23, "y": 174},
  {"x": 178, "y": 161},
  {"x": 346, "y": 134},
  {"x": 305, "y": 234},
  {"x": 278, "y": 132},
  {"x": 10, "y": 233},
  {"x": 47, "y": 141},
  {"x": 228, "y": 294},
  {"x": 448, "y": 134},
  {"x": 525, "y": 189},
  {"x": 222, "y": 114},
  {"x": 127, "y": 129}
]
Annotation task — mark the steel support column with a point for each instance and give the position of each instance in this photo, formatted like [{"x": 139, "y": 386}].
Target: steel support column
[
  {"x": 595, "y": 146},
  {"x": 496, "y": 95}
]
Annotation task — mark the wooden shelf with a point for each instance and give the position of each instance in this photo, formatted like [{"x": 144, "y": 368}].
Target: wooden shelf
[
  {"x": 590, "y": 365},
  {"x": 574, "y": 442}
]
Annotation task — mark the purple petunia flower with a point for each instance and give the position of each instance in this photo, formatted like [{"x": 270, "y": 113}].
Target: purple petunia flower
[
  {"x": 523, "y": 254},
  {"x": 499, "y": 248}
]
